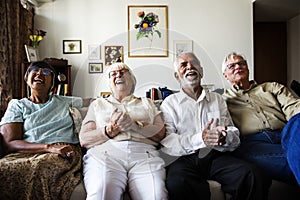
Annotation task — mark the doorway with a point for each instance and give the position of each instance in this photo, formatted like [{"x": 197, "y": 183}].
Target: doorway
[
  {"x": 270, "y": 52},
  {"x": 272, "y": 41}
]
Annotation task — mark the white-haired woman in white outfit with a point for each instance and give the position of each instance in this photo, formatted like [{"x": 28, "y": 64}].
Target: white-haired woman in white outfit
[{"x": 121, "y": 134}]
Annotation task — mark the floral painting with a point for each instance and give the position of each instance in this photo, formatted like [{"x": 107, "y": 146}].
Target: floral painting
[
  {"x": 147, "y": 31},
  {"x": 113, "y": 54},
  {"x": 71, "y": 46},
  {"x": 147, "y": 26}
]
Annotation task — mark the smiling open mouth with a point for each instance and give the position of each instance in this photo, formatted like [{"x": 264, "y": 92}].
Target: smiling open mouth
[
  {"x": 119, "y": 82},
  {"x": 38, "y": 80}
]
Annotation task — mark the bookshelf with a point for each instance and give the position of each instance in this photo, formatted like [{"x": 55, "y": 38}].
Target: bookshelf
[{"x": 61, "y": 67}]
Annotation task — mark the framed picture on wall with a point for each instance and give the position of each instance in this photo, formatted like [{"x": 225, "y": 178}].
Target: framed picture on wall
[
  {"x": 31, "y": 53},
  {"x": 94, "y": 52},
  {"x": 113, "y": 54},
  {"x": 181, "y": 46},
  {"x": 71, "y": 46},
  {"x": 95, "y": 67},
  {"x": 148, "y": 31}
]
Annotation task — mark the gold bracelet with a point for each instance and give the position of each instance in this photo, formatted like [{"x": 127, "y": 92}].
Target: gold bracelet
[{"x": 140, "y": 124}]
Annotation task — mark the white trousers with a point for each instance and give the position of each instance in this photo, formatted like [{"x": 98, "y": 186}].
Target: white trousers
[{"x": 112, "y": 167}]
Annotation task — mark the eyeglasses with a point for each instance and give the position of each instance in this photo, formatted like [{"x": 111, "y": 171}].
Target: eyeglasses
[
  {"x": 45, "y": 71},
  {"x": 116, "y": 72},
  {"x": 240, "y": 63}
]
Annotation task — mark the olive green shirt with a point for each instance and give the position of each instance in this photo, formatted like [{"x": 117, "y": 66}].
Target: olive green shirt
[{"x": 264, "y": 106}]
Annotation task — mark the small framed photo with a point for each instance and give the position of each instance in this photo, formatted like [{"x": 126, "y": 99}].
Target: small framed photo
[
  {"x": 94, "y": 52},
  {"x": 71, "y": 46},
  {"x": 181, "y": 46},
  {"x": 95, "y": 67},
  {"x": 113, "y": 54},
  {"x": 32, "y": 54}
]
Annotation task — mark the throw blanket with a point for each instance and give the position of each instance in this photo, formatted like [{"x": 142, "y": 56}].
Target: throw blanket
[
  {"x": 291, "y": 144},
  {"x": 44, "y": 176}
]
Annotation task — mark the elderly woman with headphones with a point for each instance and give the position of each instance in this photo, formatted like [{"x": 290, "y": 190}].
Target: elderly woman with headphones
[{"x": 43, "y": 155}]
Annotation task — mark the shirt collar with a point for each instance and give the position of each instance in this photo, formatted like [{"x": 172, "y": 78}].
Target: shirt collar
[
  {"x": 236, "y": 88},
  {"x": 183, "y": 96},
  {"x": 111, "y": 98}
]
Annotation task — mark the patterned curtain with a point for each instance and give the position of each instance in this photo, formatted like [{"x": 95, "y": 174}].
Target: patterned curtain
[{"x": 16, "y": 23}]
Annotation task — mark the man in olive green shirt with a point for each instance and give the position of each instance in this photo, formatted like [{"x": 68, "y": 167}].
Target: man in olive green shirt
[{"x": 261, "y": 112}]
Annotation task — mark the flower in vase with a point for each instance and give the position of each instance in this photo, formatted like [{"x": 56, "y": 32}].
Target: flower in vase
[{"x": 37, "y": 37}]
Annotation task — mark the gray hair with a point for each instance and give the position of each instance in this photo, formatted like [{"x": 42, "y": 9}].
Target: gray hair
[
  {"x": 231, "y": 55},
  {"x": 176, "y": 62}
]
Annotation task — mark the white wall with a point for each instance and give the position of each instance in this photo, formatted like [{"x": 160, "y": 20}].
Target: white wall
[
  {"x": 216, "y": 27},
  {"x": 293, "y": 49}
]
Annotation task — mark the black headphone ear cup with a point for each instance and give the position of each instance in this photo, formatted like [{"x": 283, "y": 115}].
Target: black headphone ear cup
[
  {"x": 53, "y": 84},
  {"x": 26, "y": 75}
]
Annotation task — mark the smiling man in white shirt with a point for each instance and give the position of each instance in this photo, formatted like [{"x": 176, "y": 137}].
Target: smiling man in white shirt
[{"x": 200, "y": 133}]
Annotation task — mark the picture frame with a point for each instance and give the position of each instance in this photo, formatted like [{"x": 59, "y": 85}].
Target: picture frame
[
  {"x": 148, "y": 39},
  {"x": 31, "y": 53},
  {"x": 71, "y": 46},
  {"x": 181, "y": 46},
  {"x": 94, "y": 52},
  {"x": 95, "y": 68},
  {"x": 113, "y": 54}
]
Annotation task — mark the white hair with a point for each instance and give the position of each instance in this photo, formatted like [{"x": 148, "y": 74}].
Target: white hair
[{"x": 117, "y": 66}]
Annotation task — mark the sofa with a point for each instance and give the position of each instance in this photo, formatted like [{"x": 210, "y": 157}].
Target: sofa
[{"x": 278, "y": 190}]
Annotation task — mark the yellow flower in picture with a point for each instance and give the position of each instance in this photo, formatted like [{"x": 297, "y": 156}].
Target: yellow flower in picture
[{"x": 147, "y": 26}]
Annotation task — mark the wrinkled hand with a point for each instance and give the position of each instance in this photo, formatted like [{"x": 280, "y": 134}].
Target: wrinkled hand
[
  {"x": 65, "y": 151},
  {"x": 121, "y": 120},
  {"x": 214, "y": 135}
]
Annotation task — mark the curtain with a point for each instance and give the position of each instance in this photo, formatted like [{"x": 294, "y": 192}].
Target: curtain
[{"x": 16, "y": 24}]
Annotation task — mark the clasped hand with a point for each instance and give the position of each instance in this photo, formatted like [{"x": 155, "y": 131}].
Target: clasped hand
[
  {"x": 213, "y": 134},
  {"x": 119, "y": 121}
]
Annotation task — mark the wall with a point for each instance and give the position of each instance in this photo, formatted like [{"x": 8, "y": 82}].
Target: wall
[
  {"x": 293, "y": 49},
  {"x": 216, "y": 28}
]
